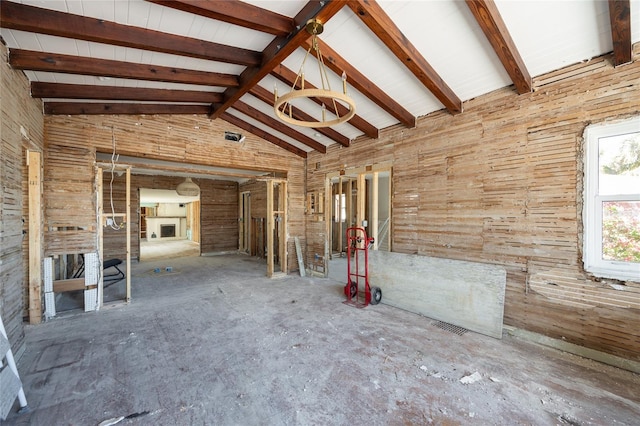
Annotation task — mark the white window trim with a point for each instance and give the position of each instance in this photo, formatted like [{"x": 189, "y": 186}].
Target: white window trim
[{"x": 591, "y": 215}]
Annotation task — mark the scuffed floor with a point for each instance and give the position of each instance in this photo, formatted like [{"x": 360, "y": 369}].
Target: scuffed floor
[{"x": 214, "y": 342}]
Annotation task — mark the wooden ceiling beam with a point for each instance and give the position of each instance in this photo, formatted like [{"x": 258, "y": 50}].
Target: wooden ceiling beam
[
  {"x": 620, "y": 17},
  {"x": 237, "y": 13},
  {"x": 113, "y": 93},
  {"x": 142, "y": 167},
  {"x": 267, "y": 97},
  {"x": 278, "y": 126},
  {"x": 69, "y": 64},
  {"x": 488, "y": 17},
  {"x": 288, "y": 77},
  {"x": 361, "y": 83},
  {"x": 376, "y": 19},
  {"x": 45, "y": 21},
  {"x": 262, "y": 134},
  {"x": 278, "y": 50},
  {"x": 90, "y": 108}
]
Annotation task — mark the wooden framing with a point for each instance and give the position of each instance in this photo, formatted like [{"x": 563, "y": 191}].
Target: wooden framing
[
  {"x": 361, "y": 199},
  {"x": 374, "y": 211},
  {"x": 276, "y": 213},
  {"x": 35, "y": 236},
  {"x": 193, "y": 219},
  {"x": 244, "y": 218},
  {"x": 358, "y": 175},
  {"x": 100, "y": 209},
  {"x": 270, "y": 229},
  {"x": 103, "y": 222},
  {"x": 128, "y": 230},
  {"x": 72, "y": 284}
]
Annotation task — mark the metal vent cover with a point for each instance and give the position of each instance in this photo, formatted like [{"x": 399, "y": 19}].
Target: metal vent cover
[{"x": 450, "y": 327}]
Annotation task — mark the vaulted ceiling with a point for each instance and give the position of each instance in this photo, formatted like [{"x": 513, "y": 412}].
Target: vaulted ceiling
[{"x": 403, "y": 59}]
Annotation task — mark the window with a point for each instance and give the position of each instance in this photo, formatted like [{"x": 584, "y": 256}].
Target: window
[{"x": 612, "y": 200}]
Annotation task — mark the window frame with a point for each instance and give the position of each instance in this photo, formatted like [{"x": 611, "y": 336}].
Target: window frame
[{"x": 592, "y": 212}]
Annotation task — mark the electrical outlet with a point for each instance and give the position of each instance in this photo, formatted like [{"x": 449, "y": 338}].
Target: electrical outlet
[{"x": 109, "y": 222}]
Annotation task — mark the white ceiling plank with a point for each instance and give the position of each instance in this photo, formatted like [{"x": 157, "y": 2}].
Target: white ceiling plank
[
  {"x": 286, "y": 7},
  {"x": 131, "y": 55},
  {"x": 106, "y": 51},
  {"x": 21, "y": 39},
  {"x": 196, "y": 26},
  {"x": 176, "y": 21},
  {"x": 33, "y": 76},
  {"x": 121, "y": 12},
  {"x": 155, "y": 16},
  {"x": 83, "y": 48},
  {"x": 66, "y": 79},
  {"x": 138, "y": 13},
  {"x": 74, "y": 6},
  {"x": 553, "y": 34},
  {"x": 59, "y": 5},
  {"x": 65, "y": 46},
  {"x": 101, "y": 9},
  {"x": 378, "y": 64},
  {"x": 462, "y": 52}
]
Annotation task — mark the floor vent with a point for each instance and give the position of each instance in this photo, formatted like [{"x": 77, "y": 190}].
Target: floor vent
[{"x": 450, "y": 327}]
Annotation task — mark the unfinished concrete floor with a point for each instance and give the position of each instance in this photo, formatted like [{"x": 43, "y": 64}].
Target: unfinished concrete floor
[
  {"x": 217, "y": 343},
  {"x": 161, "y": 249}
]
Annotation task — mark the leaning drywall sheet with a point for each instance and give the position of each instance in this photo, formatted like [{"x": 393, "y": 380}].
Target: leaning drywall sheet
[{"x": 466, "y": 294}]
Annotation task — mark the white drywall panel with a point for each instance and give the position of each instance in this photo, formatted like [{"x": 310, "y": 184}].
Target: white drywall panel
[{"x": 466, "y": 294}]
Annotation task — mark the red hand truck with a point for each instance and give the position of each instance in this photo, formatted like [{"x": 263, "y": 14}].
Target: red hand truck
[{"x": 357, "y": 289}]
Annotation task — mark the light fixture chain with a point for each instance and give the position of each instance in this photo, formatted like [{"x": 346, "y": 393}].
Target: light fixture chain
[
  {"x": 299, "y": 77},
  {"x": 283, "y": 102},
  {"x": 324, "y": 77}
]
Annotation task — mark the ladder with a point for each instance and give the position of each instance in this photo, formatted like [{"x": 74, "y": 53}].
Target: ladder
[{"x": 10, "y": 384}]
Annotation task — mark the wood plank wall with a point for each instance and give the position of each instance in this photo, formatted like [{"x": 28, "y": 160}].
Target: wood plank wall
[
  {"x": 69, "y": 216},
  {"x": 219, "y": 216},
  {"x": 191, "y": 139},
  {"x": 501, "y": 183},
  {"x": 17, "y": 111},
  {"x": 258, "y": 190}
]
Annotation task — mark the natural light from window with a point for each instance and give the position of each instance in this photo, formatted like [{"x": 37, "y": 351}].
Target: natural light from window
[{"x": 612, "y": 200}]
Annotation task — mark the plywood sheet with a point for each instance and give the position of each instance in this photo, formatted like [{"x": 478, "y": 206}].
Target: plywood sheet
[{"x": 466, "y": 294}]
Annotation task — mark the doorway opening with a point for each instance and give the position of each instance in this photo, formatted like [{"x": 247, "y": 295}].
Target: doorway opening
[
  {"x": 362, "y": 200},
  {"x": 276, "y": 227},
  {"x": 169, "y": 224},
  {"x": 358, "y": 198},
  {"x": 262, "y": 222}
]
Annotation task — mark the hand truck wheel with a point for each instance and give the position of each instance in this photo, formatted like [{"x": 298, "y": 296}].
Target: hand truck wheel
[
  {"x": 376, "y": 295},
  {"x": 353, "y": 289}
]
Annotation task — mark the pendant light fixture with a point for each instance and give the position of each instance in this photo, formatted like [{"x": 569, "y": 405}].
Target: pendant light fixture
[
  {"x": 188, "y": 188},
  {"x": 284, "y": 104}
]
